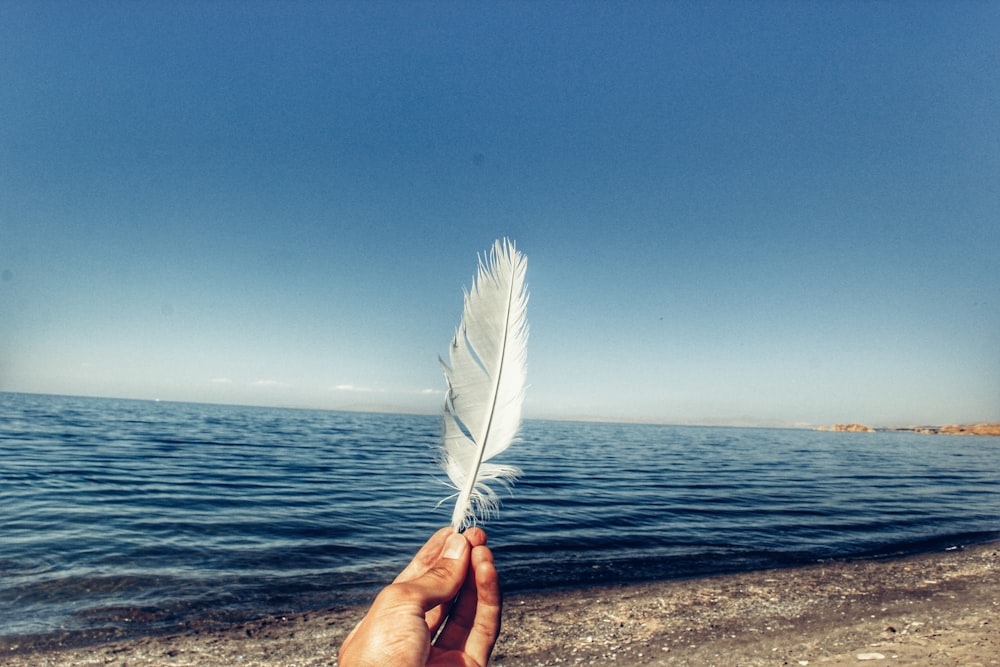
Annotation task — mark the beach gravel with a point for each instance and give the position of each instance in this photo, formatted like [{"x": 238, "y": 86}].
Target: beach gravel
[{"x": 933, "y": 609}]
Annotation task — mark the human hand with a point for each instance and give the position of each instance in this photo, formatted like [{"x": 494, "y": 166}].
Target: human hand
[{"x": 401, "y": 628}]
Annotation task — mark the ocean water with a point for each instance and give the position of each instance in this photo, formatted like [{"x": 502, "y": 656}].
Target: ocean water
[{"x": 142, "y": 516}]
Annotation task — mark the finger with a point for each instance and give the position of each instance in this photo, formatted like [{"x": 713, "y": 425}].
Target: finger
[
  {"x": 462, "y": 616},
  {"x": 476, "y": 536},
  {"x": 441, "y": 582},
  {"x": 474, "y": 624},
  {"x": 486, "y": 627},
  {"x": 425, "y": 557}
]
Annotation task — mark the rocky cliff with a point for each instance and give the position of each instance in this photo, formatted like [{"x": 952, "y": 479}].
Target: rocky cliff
[
  {"x": 950, "y": 429},
  {"x": 961, "y": 429},
  {"x": 854, "y": 428}
]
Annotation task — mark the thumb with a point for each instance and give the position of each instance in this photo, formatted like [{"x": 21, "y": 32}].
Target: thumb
[{"x": 443, "y": 580}]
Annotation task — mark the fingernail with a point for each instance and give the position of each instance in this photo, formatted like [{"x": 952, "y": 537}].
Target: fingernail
[{"x": 454, "y": 546}]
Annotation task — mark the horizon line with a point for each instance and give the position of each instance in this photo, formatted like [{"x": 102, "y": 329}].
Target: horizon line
[{"x": 734, "y": 422}]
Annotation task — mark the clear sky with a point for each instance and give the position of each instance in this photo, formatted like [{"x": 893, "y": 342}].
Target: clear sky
[{"x": 765, "y": 212}]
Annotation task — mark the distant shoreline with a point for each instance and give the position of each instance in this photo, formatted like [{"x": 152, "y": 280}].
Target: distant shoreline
[{"x": 949, "y": 429}]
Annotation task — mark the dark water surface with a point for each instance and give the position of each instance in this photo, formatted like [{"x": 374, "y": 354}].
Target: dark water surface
[{"x": 141, "y": 515}]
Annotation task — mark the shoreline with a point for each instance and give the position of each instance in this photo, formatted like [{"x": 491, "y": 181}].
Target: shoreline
[{"x": 940, "y": 608}]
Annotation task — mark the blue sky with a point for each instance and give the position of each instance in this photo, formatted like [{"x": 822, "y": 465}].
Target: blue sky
[{"x": 774, "y": 212}]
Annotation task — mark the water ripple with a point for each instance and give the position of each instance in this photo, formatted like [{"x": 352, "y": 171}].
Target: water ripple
[{"x": 109, "y": 507}]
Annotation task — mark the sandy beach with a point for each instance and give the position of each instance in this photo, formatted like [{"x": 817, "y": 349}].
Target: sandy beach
[{"x": 933, "y": 609}]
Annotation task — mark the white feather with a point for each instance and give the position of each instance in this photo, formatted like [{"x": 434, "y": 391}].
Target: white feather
[{"x": 482, "y": 409}]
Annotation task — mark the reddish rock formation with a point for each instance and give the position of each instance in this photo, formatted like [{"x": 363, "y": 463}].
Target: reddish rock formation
[
  {"x": 962, "y": 429},
  {"x": 853, "y": 428},
  {"x": 950, "y": 429}
]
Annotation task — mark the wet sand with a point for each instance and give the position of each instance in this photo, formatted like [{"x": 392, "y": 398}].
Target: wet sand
[{"x": 934, "y": 609}]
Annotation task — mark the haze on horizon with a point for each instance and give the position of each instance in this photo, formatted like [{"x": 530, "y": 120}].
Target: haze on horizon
[{"x": 735, "y": 213}]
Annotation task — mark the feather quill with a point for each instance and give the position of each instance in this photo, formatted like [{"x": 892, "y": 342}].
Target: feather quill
[{"x": 482, "y": 408}]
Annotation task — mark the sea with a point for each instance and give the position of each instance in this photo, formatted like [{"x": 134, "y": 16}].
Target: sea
[{"x": 144, "y": 516}]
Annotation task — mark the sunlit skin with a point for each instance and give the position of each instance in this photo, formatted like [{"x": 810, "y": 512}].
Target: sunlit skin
[{"x": 450, "y": 582}]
